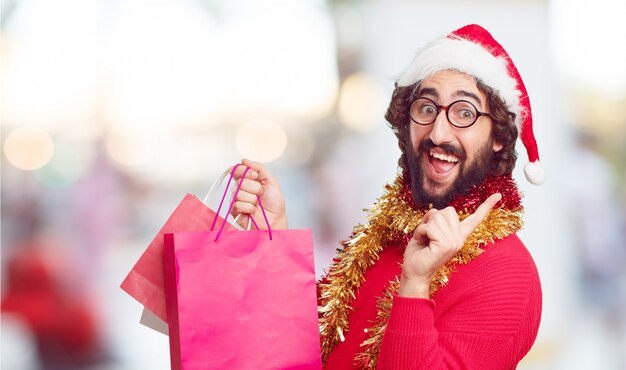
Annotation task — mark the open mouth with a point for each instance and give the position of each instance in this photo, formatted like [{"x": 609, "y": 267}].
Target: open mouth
[{"x": 442, "y": 164}]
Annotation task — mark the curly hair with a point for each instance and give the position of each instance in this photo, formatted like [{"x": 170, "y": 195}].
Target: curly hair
[{"x": 504, "y": 130}]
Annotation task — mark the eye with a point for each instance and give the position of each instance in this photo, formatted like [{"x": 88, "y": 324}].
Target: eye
[
  {"x": 424, "y": 111},
  {"x": 466, "y": 114},
  {"x": 463, "y": 112},
  {"x": 428, "y": 110}
]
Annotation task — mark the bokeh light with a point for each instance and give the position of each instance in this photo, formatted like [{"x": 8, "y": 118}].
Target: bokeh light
[
  {"x": 129, "y": 149},
  {"x": 49, "y": 73},
  {"x": 69, "y": 162},
  {"x": 112, "y": 110},
  {"x": 156, "y": 80},
  {"x": 28, "y": 148},
  {"x": 362, "y": 102},
  {"x": 280, "y": 57},
  {"x": 301, "y": 148},
  {"x": 261, "y": 140}
]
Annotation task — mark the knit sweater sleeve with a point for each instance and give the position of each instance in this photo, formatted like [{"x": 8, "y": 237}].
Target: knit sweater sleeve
[{"x": 489, "y": 321}]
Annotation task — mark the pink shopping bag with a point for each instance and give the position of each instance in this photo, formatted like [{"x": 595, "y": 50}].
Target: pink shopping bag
[
  {"x": 242, "y": 300},
  {"x": 145, "y": 280}
]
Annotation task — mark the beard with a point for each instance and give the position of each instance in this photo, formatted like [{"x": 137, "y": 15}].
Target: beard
[{"x": 470, "y": 173}]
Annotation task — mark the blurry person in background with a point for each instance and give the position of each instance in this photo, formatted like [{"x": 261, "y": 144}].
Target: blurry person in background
[
  {"x": 600, "y": 240},
  {"x": 61, "y": 322},
  {"x": 599, "y": 232},
  {"x": 438, "y": 277}
]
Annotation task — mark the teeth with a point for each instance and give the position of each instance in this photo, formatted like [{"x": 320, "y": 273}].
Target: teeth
[{"x": 444, "y": 157}]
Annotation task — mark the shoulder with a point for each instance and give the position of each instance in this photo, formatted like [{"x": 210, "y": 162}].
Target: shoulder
[
  {"x": 502, "y": 283},
  {"x": 507, "y": 256},
  {"x": 511, "y": 271},
  {"x": 498, "y": 294},
  {"x": 505, "y": 269}
]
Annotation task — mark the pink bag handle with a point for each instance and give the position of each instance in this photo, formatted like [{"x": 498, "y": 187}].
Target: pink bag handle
[
  {"x": 232, "y": 203},
  {"x": 232, "y": 172},
  {"x": 219, "y": 209}
]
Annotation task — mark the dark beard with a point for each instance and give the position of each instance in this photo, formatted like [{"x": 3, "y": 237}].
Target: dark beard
[{"x": 469, "y": 176}]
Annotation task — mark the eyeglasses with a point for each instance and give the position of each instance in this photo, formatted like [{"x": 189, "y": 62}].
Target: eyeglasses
[{"x": 461, "y": 113}]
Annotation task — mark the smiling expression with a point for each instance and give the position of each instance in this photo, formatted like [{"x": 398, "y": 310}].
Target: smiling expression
[{"x": 446, "y": 159}]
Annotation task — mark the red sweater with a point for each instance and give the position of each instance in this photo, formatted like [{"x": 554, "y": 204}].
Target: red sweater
[{"x": 486, "y": 317}]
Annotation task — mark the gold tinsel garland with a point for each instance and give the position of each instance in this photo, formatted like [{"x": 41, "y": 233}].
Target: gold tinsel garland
[{"x": 392, "y": 218}]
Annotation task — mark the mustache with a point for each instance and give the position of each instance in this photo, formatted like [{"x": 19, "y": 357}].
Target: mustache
[{"x": 427, "y": 144}]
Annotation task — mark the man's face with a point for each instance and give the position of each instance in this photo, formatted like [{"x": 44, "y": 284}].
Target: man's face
[{"x": 446, "y": 160}]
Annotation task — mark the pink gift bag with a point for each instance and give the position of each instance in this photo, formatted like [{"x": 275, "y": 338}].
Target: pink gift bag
[
  {"x": 242, "y": 299},
  {"x": 145, "y": 281}
]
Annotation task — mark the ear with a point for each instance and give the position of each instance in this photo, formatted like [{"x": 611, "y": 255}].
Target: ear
[{"x": 497, "y": 146}]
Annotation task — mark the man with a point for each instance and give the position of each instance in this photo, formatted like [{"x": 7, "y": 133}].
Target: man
[{"x": 438, "y": 278}]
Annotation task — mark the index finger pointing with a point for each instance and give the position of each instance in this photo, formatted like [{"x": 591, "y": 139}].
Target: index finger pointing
[{"x": 472, "y": 221}]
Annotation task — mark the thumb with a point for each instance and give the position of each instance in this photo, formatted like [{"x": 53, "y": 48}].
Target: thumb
[{"x": 420, "y": 235}]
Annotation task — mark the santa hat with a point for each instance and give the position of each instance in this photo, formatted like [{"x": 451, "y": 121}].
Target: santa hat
[{"x": 472, "y": 50}]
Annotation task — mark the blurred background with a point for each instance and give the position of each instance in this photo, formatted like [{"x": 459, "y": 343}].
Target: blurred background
[{"x": 113, "y": 110}]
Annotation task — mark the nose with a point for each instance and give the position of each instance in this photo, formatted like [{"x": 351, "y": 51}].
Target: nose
[{"x": 441, "y": 132}]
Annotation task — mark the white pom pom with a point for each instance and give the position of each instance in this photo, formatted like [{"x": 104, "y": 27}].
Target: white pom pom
[{"x": 535, "y": 173}]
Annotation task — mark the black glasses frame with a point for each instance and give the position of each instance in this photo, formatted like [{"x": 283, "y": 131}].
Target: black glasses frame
[{"x": 445, "y": 107}]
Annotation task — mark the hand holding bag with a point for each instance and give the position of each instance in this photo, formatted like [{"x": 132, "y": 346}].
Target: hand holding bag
[
  {"x": 242, "y": 299},
  {"x": 145, "y": 280}
]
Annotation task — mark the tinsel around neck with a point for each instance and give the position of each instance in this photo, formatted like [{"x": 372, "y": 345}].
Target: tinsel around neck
[
  {"x": 392, "y": 219},
  {"x": 474, "y": 197}
]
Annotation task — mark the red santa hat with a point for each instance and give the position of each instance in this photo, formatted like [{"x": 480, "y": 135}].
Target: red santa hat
[{"x": 472, "y": 50}]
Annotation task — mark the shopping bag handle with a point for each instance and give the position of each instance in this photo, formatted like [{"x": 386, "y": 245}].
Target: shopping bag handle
[
  {"x": 232, "y": 203},
  {"x": 219, "y": 209},
  {"x": 210, "y": 193}
]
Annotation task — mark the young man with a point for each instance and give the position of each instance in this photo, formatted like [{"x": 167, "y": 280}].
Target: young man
[{"x": 438, "y": 278}]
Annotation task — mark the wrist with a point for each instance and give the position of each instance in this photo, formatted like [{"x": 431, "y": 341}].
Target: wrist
[
  {"x": 414, "y": 288},
  {"x": 280, "y": 223}
]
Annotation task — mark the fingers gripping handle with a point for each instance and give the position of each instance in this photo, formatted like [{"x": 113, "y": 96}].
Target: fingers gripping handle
[
  {"x": 219, "y": 209},
  {"x": 269, "y": 229},
  {"x": 217, "y": 182},
  {"x": 232, "y": 203}
]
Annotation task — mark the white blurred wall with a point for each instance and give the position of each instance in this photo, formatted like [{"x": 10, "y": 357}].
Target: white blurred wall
[{"x": 113, "y": 110}]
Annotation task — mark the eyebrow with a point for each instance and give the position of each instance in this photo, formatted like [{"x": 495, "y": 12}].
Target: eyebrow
[
  {"x": 428, "y": 91},
  {"x": 468, "y": 94},
  {"x": 463, "y": 93}
]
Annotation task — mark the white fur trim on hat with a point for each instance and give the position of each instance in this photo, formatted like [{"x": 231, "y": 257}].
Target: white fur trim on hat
[{"x": 467, "y": 57}]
